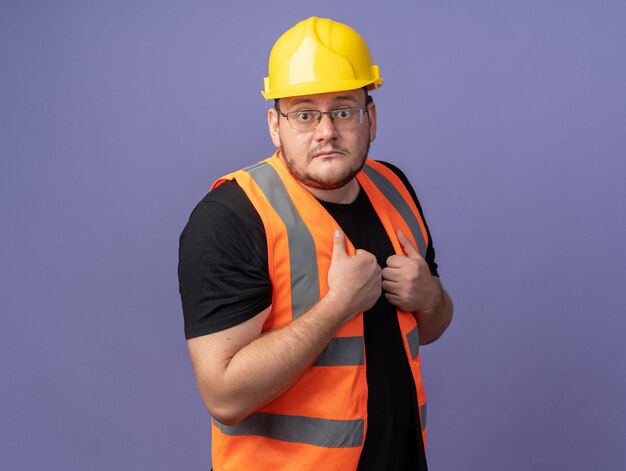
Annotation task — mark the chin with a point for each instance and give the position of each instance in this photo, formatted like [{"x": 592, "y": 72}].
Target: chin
[
  {"x": 329, "y": 182},
  {"x": 327, "y": 174}
]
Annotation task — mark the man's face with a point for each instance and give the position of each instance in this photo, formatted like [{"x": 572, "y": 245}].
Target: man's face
[{"x": 324, "y": 158}]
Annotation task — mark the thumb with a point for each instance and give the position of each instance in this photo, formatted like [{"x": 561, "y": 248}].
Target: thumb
[
  {"x": 339, "y": 245},
  {"x": 407, "y": 245}
]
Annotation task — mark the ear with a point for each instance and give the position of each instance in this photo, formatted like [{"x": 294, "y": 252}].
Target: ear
[
  {"x": 372, "y": 120},
  {"x": 273, "y": 125}
]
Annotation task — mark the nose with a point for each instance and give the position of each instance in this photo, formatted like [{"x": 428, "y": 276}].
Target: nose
[{"x": 326, "y": 129}]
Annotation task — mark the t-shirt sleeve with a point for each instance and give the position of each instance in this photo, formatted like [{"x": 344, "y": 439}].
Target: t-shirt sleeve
[
  {"x": 222, "y": 267},
  {"x": 430, "y": 249}
]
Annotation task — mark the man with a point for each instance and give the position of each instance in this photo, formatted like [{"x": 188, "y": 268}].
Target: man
[{"x": 308, "y": 280}]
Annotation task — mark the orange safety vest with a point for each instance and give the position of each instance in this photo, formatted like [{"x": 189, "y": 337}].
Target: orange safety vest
[{"x": 321, "y": 421}]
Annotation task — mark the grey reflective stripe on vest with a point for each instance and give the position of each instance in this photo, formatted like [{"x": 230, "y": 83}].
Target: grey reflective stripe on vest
[
  {"x": 423, "y": 410},
  {"x": 305, "y": 286},
  {"x": 396, "y": 199},
  {"x": 413, "y": 339},
  {"x": 319, "y": 432},
  {"x": 342, "y": 351}
]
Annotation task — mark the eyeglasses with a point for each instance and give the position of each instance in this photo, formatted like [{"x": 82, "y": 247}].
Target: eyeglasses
[{"x": 308, "y": 120}]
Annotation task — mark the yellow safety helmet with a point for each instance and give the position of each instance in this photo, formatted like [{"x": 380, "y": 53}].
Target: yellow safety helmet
[{"x": 318, "y": 56}]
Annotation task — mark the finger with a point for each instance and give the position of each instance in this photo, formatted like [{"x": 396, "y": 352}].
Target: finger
[
  {"x": 391, "y": 274},
  {"x": 407, "y": 246},
  {"x": 392, "y": 299},
  {"x": 364, "y": 252},
  {"x": 396, "y": 261},
  {"x": 339, "y": 245},
  {"x": 390, "y": 286}
]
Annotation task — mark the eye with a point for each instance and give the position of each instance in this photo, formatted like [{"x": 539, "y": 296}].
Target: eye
[
  {"x": 304, "y": 116},
  {"x": 343, "y": 114}
]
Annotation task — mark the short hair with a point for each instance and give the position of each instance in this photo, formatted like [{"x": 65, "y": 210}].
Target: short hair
[{"x": 368, "y": 99}]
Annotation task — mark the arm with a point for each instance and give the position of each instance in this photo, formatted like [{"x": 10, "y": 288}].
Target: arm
[
  {"x": 435, "y": 321},
  {"x": 408, "y": 284},
  {"x": 238, "y": 370}
]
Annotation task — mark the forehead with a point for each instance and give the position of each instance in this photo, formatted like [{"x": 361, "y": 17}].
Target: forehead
[{"x": 325, "y": 100}]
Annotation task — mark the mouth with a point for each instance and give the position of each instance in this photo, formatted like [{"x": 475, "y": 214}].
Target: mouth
[{"x": 328, "y": 153}]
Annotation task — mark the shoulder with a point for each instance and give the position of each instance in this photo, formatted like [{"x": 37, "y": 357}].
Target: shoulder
[
  {"x": 228, "y": 197},
  {"x": 405, "y": 181},
  {"x": 223, "y": 224},
  {"x": 222, "y": 210},
  {"x": 399, "y": 173}
]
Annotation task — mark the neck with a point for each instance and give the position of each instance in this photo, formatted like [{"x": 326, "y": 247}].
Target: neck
[{"x": 344, "y": 195}]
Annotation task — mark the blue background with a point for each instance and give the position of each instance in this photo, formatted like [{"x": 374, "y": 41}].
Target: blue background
[{"x": 509, "y": 118}]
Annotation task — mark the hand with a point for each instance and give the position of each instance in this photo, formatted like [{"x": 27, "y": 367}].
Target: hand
[
  {"x": 407, "y": 281},
  {"x": 353, "y": 280}
]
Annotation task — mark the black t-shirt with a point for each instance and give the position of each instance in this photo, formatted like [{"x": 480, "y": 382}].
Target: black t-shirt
[{"x": 224, "y": 281}]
